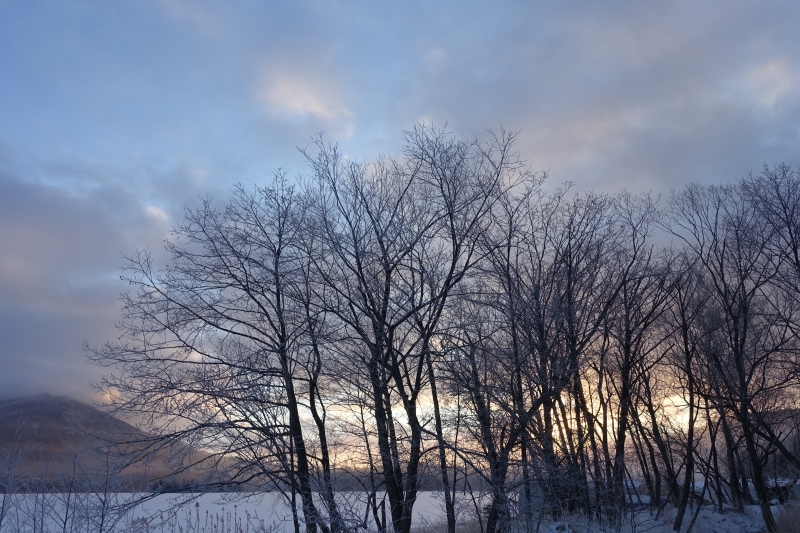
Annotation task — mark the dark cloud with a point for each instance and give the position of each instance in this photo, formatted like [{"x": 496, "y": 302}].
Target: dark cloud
[
  {"x": 64, "y": 228},
  {"x": 116, "y": 115}
]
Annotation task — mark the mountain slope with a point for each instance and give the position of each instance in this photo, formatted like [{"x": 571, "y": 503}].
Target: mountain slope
[{"x": 54, "y": 439}]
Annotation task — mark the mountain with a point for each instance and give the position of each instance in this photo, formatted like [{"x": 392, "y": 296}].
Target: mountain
[{"x": 55, "y": 440}]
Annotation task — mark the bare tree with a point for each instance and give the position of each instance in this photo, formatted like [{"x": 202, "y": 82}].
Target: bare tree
[
  {"x": 437, "y": 318},
  {"x": 775, "y": 194},
  {"x": 215, "y": 352},
  {"x": 641, "y": 301},
  {"x": 751, "y": 367},
  {"x": 397, "y": 237},
  {"x": 687, "y": 301},
  {"x": 11, "y": 476}
]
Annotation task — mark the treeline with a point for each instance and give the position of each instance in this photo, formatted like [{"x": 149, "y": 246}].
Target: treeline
[
  {"x": 60, "y": 493},
  {"x": 444, "y": 316}
]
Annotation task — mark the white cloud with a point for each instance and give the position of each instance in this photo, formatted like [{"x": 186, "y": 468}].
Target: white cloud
[
  {"x": 17, "y": 272},
  {"x": 156, "y": 213},
  {"x": 198, "y": 14},
  {"x": 767, "y": 85},
  {"x": 293, "y": 95},
  {"x": 436, "y": 58}
]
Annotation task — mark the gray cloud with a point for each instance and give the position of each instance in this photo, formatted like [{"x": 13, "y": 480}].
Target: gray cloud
[
  {"x": 63, "y": 230},
  {"x": 116, "y": 115}
]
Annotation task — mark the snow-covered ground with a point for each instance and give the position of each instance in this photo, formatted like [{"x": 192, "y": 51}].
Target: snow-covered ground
[
  {"x": 205, "y": 513},
  {"x": 272, "y": 510},
  {"x": 270, "y": 513},
  {"x": 428, "y": 511}
]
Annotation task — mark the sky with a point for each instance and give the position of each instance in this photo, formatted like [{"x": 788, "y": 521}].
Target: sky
[{"x": 116, "y": 115}]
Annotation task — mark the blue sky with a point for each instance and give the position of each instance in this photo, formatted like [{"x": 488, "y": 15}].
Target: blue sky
[{"x": 114, "y": 115}]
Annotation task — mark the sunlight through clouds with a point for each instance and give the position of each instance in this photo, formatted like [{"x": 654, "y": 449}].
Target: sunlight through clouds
[
  {"x": 771, "y": 83},
  {"x": 293, "y": 96},
  {"x": 156, "y": 213},
  {"x": 117, "y": 115}
]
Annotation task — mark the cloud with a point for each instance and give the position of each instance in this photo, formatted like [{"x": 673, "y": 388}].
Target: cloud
[
  {"x": 768, "y": 84},
  {"x": 436, "y": 58},
  {"x": 156, "y": 213},
  {"x": 296, "y": 96},
  {"x": 290, "y": 94},
  {"x": 64, "y": 228},
  {"x": 117, "y": 117},
  {"x": 199, "y": 15}
]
